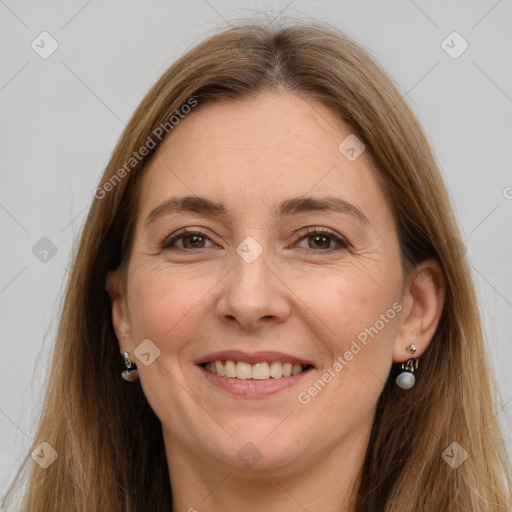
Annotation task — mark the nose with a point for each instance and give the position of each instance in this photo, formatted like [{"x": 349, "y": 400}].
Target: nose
[{"x": 253, "y": 295}]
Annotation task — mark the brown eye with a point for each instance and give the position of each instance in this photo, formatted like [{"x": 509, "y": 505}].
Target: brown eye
[
  {"x": 193, "y": 241},
  {"x": 186, "y": 240},
  {"x": 319, "y": 241},
  {"x": 322, "y": 240}
]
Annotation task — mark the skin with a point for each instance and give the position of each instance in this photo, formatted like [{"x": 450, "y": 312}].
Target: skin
[{"x": 296, "y": 298}]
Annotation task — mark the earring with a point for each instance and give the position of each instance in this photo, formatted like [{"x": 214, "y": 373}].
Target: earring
[
  {"x": 130, "y": 372},
  {"x": 406, "y": 379}
]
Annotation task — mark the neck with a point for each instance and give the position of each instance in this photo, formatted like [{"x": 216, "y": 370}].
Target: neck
[{"x": 329, "y": 483}]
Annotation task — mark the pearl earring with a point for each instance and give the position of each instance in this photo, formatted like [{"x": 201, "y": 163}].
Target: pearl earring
[
  {"x": 406, "y": 379},
  {"x": 130, "y": 372}
]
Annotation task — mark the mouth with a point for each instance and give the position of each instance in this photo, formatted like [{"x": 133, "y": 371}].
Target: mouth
[
  {"x": 253, "y": 374},
  {"x": 259, "y": 371}
]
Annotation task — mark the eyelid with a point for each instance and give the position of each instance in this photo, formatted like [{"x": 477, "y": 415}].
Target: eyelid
[
  {"x": 173, "y": 237},
  {"x": 317, "y": 230},
  {"x": 303, "y": 233}
]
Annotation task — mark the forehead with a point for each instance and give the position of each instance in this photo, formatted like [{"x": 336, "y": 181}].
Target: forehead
[{"x": 252, "y": 153}]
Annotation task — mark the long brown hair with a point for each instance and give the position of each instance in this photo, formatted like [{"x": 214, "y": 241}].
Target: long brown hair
[{"x": 109, "y": 442}]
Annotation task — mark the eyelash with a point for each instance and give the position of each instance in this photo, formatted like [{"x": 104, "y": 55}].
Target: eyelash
[{"x": 168, "y": 242}]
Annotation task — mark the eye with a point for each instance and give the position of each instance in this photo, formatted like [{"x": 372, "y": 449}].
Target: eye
[
  {"x": 321, "y": 240},
  {"x": 318, "y": 239},
  {"x": 186, "y": 239}
]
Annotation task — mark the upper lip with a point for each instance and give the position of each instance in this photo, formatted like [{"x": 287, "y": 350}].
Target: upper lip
[{"x": 252, "y": 357}]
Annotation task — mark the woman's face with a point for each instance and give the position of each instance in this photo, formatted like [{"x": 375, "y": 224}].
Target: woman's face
[{"x": 290, "y": 258}]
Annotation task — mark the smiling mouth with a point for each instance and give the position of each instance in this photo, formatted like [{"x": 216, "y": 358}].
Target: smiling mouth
[{"x": 258, "y": 371}]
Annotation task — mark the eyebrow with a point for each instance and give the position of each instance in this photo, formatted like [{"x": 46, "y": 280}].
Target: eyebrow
[{"x": 293, "y": 206}]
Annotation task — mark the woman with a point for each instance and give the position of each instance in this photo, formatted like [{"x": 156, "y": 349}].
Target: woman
[{"x": 272, "y": 265}]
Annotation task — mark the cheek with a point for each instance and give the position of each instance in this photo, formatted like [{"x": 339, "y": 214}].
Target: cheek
[
  {"x": 360, "y": 335},
  {"x": 354, "y": 315},
  {"x": 343, "y": 303},
  {"x": 163, "y": 305}
]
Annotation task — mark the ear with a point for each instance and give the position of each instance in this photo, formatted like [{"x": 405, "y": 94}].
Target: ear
[
  {"x": 116, "y": 288},
  {"x": 423, "y": 302}
]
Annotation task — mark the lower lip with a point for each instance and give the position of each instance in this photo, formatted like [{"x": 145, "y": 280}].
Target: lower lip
[{"x": 253, "y": 388}]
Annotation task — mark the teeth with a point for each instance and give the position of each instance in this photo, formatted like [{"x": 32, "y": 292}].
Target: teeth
[
  {"x": 296, "y": 369},
  {"x": 230, "y": 369},
  {"x": 219, "y": 368},
  {"x": 243, "y": 370},
  {"x": 287, "y": 369},
  {"x": 276, "y": 369},
  {"x": 258, "y": 371}
]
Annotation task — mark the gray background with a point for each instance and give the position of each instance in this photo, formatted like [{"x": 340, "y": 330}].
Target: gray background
[{"x": 61, "y": 116}]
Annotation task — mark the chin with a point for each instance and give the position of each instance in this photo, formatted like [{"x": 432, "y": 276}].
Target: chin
[{"x": 252, "y": 451}]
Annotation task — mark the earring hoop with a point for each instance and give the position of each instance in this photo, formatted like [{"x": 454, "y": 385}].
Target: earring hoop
[{"x": 130, "y": 372}]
